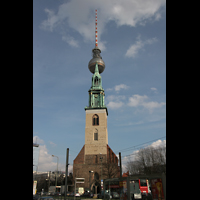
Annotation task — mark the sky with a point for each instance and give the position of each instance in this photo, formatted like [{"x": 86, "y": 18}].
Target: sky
[{"x": 132, "y": 39}]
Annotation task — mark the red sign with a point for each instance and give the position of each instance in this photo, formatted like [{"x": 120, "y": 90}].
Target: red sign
[
  {"x": 122, "y": 184},
  {"x": 157, "y": 189}
]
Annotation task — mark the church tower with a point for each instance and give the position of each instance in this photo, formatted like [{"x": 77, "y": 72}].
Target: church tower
[
  {"x": 96, "y": 160},
  {"x": 96, "y": 136}
]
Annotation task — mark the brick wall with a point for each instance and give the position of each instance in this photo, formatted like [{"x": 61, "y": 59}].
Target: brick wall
[
  {"x": 80, "y": 157},
  {"x": 85, "y": 163}
]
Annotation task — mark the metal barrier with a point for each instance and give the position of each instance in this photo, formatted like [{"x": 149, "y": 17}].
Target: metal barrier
[{"x": 70, "y": 198}]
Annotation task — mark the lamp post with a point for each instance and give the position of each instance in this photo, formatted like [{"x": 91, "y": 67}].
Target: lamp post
[
  {"x": 101, "y": 158},
  {"x": 57, "y": 167},
  {"x": 90, "y": 179}
]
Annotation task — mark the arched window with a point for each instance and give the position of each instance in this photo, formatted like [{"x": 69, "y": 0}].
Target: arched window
[
  {"x": 96, "y": 176},
  {"x": 96, "y": 80},
  {"x": 95, "y": 120}
]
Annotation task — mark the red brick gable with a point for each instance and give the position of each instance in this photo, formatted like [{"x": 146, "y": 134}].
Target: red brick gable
[
  {"x": 111, "y": 157},
  {"x": 125, "y": 174},
  {"x": 80, "y": 157}
]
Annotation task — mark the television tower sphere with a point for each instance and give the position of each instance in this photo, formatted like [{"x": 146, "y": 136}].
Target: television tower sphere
[{"x": 96, "y": 59}]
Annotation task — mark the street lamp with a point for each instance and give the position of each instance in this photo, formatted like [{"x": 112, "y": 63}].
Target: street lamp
[
  {"x": 57, "y": 167},
  {"x": 90, "y": 179},
  {"x": 101, "y": 158}
]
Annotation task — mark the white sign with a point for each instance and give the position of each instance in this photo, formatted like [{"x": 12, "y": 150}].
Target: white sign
[{"x": 34, "y": 187}]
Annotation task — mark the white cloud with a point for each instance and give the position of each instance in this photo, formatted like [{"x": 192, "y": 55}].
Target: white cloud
[
  {"x": 158, "y": 143},
  {"x": 157, "y": 16},
  {"x": 102, "y": 45},
  {"x": 114, "y": 105},
  {"x": 153, "y": 104},
  {"x": 45, "y": 162},
  {"x": 151, "y": 41},
  {"x": 133, "y": 49},
  {"x": 138, "y": 100},
  {"x": 117, "y": 88},
  {"x": 109, "y": 89},
  {"x": 154, "y": 90},
  {"x": 70, "y": 40},
  {"x": 37, "y": 140},
  {"x": 115, "y": 101},
  {"x": 79, "y": 15},
  {"x": 50, "y": 23},
  {"x": 121, "y": 86},
  {"x": 52, "y": 144}
]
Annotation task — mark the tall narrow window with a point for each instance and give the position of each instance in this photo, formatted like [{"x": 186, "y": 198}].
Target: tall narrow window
[
  {"x": 95, "y": 120},
  {"x": 96, "y": 134},
  {"x": 96, "y": 80}
]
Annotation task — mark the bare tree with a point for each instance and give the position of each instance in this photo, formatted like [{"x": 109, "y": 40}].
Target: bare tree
[
  {"x": 61, "y": 179},
  {"x": 133, "y": 167},
  {"x": 110, "y": 170},
  {"x": 148, "y": 160}
]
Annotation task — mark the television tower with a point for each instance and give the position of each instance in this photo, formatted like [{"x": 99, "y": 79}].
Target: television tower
[{"x": 96, "y": 53}]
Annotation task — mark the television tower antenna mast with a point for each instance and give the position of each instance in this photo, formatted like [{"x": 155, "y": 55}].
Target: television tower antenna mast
[{"x": 96, "y": 31}]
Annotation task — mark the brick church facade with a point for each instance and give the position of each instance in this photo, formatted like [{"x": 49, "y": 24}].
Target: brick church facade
[{"x": 83, "y": 165}]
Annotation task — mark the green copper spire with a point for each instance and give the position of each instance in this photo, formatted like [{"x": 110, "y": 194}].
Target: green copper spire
[
  {"x": 96, "y": 79},
  {"x": 96, "y": 92},
  {"x": 96, "y": 71}
]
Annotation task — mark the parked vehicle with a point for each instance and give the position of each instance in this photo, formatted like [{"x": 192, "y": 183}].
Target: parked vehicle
[
  {"x": 107, "y": 194},
  {"x": 143, "y": 186},
  {"x": 115, "y": 195},
  {"x": 57, "y": 193},
  {"x": 86, "y": 194},
  {"x": 80, "y": 190},
  {"x": 77, "y": 194},
  {"x": 47, "y": 193}
]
